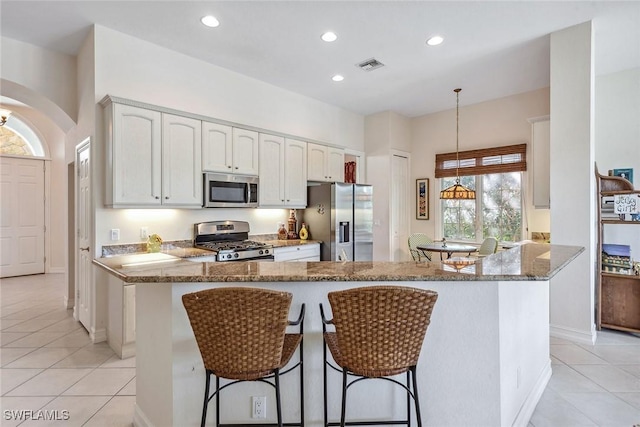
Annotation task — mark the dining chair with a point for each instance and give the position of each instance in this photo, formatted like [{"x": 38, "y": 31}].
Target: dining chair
[
  {"x": 241, "y": 335},
  {"x": 379, "y": 331},
  {"x": 489, "y": 246},
  {"x": 416, "y": 239}
]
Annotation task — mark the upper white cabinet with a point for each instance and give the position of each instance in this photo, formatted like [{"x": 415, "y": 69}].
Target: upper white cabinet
[
  {"x": 283, "y": 172},
  {"x": 325, "y": 163},
  {"x": 228, "y": 149},
  {"x": 181, "y": 161},
  {"x": 134, "y": 153},
  {"x": 153, "y": 158},
  {"x": 540, "y": 138}
]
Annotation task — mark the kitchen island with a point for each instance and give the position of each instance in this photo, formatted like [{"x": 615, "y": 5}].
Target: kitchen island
[{"x": 485, "y": 359}]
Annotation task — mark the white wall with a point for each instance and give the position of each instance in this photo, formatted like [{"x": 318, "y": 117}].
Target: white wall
[
  {"x": 492, "y": 123},
  {"x": 384, "y": 132},
  {"x": 131, "y": 68},
  {"x": 40, "y": 78},
  {"x": 572, "y": 180}
]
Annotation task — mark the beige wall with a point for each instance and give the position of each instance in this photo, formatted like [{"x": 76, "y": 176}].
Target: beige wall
[{"x": 493, "y": 123}]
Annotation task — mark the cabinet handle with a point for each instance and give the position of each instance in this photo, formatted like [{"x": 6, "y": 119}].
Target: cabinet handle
[
  {"x": 166, "y": 197},
  {"x": 288, "y": 200},
  {"x": 236, "y": 167},
  {"x": 282, "y": 200},
  {"x": 157, "y": 197},
  {"x": 229, "y": 167}
]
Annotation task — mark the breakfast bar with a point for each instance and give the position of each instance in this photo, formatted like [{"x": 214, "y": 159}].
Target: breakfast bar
[{"x": 485, "y": 358}]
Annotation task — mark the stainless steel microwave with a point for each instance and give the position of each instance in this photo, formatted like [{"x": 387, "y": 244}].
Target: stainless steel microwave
[{"x": 230, "y": 191}]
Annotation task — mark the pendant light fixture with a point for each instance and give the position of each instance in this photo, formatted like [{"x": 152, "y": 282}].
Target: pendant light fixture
[{"x": 457, "y": 191}]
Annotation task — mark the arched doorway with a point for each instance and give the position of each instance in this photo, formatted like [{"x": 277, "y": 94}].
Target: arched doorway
[{"x": 22, "y": 199}]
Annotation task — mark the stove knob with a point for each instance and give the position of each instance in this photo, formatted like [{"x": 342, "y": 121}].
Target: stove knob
[
  {"x": 235, "y": 255},
  {"x": 260, "y": 251},
  {"x": 229, "y": 256},
  {"x": 266, "y": 251}
]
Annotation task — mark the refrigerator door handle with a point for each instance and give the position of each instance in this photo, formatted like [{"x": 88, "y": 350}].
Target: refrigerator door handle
[{"x": 344, "y": 232}]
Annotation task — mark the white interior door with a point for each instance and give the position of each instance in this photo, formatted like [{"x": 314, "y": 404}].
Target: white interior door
[
  {"x": 83, "y": 242},
  {"x": 21, "y": 216},
  {"x": 399, "y": 207}
]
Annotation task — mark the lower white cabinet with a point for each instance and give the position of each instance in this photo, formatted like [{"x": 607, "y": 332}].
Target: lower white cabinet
[
  {"x": 305, "y": 252},
  {"x": 121, "y": 326}
]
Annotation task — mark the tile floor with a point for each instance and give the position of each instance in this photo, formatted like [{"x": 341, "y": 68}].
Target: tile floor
[{"x": 48, "y": 363}]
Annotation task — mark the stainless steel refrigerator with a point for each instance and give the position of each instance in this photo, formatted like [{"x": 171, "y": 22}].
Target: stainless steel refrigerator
[{"x": 341, "y": 216}]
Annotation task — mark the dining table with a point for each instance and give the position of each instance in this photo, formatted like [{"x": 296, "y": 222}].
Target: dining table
[{"x": 448, "y": 248}]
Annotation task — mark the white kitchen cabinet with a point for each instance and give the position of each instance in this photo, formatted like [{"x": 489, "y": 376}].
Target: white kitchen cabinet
[
  {"x": 325, "y": 163},
  {"x": 540, "y": 138},
  {"x": 181, "y": 161},
  {"x": 153, "y": 158},
  {"x": 134, "y": 156},
  {"x": 283, "y": 172},
  {"x": 229, "y": 150},
  {"x": 304, "y": 252},
  {"x": 121, "y": 325}
]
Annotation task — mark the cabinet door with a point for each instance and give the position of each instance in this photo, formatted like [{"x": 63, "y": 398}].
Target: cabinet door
[
  {"x": 540, "y": 137},
  {"x": 136, "y": 156},
  {"x": 335, "y": 167},
  {"x": 245, "y": 152},
  {"x": 295, "y": 173},
  {"x": 217, "y": 146},
  {"x": 181, "y": 161},
  {"x": 271, "y": 190},
  {"x": 317, "y": 162}
]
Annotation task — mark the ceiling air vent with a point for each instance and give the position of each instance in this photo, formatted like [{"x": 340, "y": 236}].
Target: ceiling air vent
[{"x": 370, "y": 64}]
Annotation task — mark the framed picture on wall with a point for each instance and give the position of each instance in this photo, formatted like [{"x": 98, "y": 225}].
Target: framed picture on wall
[
  {"x": 422, "y": 198},
  {"x": 626, "y": 173}
]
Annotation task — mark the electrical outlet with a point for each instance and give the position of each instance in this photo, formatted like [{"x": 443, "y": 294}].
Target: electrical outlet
[
  {"x": 144, "y": 233},
  {"x": 115, "y": 234},
  {"x": 259, "y": 407}
]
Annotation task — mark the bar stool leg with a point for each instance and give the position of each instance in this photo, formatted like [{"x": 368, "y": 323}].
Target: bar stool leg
[
  {"x": 206, "y": 398},
  {"x": 408, "y": 400},
  {"x": 344, "y": 397},
  {"x": 415, "y": 396},
  {"x": 324, "y": 371},
  {"x": 278, "y": 406},
  {"x": 217, "y": 401}
]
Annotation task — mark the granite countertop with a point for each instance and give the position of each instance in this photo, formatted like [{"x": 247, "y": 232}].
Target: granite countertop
[{"x": 526, "y": 262}]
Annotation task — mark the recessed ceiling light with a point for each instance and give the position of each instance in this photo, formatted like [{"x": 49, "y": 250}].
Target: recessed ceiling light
[
  {"x": 329, "y": 36},
  {"x": 337, "y": 78},
  {"x": 435, "y": 40},
  {"x": 210, "y": 21}
]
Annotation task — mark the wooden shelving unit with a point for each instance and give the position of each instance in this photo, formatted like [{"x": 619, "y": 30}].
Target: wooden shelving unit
[{"x": 618, "y": 295}]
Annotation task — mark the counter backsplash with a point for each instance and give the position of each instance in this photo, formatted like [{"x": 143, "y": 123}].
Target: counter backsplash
[{"x": 139, "y": 247}]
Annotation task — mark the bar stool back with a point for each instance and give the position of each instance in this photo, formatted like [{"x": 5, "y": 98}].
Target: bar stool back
[
  {"x": 241, "y": 335},
  {"x": 379, "y": 332}
]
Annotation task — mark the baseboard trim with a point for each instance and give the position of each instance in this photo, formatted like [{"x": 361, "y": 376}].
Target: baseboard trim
[
  {"x": 530, "y": 403},
  {"x": 575, "y": 335},
  {"x": 98, "y": 335},
  {"x": 69, "y": 302},
  {"x": 140, "y": 419}
]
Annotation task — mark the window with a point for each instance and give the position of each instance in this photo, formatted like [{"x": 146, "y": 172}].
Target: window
[
  {"x": 496, "y": 176},
  {"x": 17, "y": 138}
]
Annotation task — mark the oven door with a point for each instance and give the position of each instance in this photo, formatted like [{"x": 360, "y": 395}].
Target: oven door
[{"x": 230, "y": 191}]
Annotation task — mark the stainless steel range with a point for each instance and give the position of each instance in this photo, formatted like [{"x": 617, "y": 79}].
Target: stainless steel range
[{"x": 229, "y": 240}]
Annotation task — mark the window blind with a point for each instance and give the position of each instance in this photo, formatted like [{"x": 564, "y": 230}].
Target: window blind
[{"x": 512, "y": 158}]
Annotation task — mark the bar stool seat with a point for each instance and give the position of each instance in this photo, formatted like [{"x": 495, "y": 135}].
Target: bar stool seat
[
  {"x": 241, "y": 335},
  {"x": 379, "y": 331}
]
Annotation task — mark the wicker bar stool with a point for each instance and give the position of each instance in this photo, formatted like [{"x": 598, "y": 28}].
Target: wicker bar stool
[
  {"x": 241, "y": 334},
  {"x": 379, "y": 332}
]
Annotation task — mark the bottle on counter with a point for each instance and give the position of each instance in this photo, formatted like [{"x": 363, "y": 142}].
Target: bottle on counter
[
  {"x": 282, "y": 232},
  {"x": 293, "y": 225},
  {"x": 304, "y": 233}
]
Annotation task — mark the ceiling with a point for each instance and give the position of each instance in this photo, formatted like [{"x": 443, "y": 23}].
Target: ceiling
[{"x": 491, "y": 49}]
